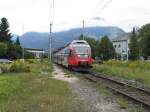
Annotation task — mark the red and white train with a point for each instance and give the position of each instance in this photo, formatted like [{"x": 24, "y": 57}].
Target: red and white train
[{"x": 76, "y": 55}]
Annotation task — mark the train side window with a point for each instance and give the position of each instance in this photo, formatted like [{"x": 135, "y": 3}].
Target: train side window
[{"x": 67, "y": 52}]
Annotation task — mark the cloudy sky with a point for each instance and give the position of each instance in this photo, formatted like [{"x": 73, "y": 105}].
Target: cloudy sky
[{"x": 35, "y": 15}]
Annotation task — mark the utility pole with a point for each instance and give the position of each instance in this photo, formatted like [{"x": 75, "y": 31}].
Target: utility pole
[
  {"x": 83, "y": 29},
  {"x": 50, "y": 42}
]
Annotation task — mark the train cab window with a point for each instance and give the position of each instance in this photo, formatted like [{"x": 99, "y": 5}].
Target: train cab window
[{"x": 82, "y": 50}]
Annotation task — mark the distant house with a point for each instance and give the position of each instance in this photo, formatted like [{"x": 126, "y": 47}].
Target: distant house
[
  {"x": 121, "y": 45},
  {"x": 37, "y": 52}
]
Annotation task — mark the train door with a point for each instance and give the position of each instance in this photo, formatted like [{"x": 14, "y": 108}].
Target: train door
[{"x": 66, "y": 57}]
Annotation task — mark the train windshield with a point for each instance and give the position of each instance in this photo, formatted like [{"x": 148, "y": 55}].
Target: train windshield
[{"x": 82, "y": 50}]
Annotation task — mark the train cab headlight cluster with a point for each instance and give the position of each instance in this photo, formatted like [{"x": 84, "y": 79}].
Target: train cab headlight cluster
[
  {"x": 83, "y": 55},
  {"x": 86, "y": 55}
]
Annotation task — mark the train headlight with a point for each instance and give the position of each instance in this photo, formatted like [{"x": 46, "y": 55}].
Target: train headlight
[
  {"x": 86, "y": 55},
  {"x": 79, "y": 55}
]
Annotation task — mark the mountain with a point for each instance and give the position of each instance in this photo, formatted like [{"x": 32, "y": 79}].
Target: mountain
[{"x": 40, "y": 40}]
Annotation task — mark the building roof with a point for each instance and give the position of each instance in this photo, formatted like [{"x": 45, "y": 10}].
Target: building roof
[
  {"x": 34, "y": 49},
  {"x": 122, "y": 37},
  {"x": 5, "y": 61}
]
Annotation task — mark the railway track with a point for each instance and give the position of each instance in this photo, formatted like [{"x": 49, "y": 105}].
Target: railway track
[{"x": 137, "y": 94}]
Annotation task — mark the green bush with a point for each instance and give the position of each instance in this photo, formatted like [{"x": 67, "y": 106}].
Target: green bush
[
  {"x": 31, "y": 61},
  {"x": 28, "y": 55},
  {"x": 3, "y": 49},
  {"x": 5, "y": 68},
  {"x": 14, "y": 51},
  {"x": 19, "y": 66}
]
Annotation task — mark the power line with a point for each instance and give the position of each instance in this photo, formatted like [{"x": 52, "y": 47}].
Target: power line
[
  {"x": 96, "y": 8},
  {"x": 100, "y": 10}
]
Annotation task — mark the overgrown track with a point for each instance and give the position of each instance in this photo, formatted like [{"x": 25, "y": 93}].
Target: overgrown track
[{"x": 139, "y": 95}]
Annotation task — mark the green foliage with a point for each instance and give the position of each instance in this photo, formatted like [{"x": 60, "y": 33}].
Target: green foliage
[
  {"x": 123, "y": 103},
  {"x": 17, "y": 41},
  {"x": 5, "y": 36},
  {"x": 8, "y": 86},
  {"x": 19, "y": 66},
  {"x": 134, "y": 47},
  {"x": 102, "y": 48},
  {"x": 106, "y": 48},
  {"x": 14, "y": 51},
  {"x": 28, "y": 55},
  {"x": 45, "y": 55},
  {"x": 145, "y": 40},
  {"x": 31, "y": 61},
  {"x": 3, "y": 49},
  {"x": 136, "y": 71},
  {"x": 7, "y": 48},
  {"x": 36, "y": 91},
  {"x": 5, "y": 68},
  {"x": 137, "y": 109}
]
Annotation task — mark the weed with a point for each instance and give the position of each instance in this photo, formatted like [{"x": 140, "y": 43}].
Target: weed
[
  {"x": 123, "y": 103},
  {"x": 137, "y": 109},
  {"x": 137, "y": 71},
  {"x": 35, "y": 92},
  {"x": 103, "y": 88}
]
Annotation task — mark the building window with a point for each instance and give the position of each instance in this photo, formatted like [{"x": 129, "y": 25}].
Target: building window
[{"x": 119, "y": 46}]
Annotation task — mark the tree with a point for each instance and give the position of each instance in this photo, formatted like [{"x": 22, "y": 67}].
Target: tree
[
  {"x": 145, "y": 40},
  {"x": 3, "y": 50},
  {"x": 5, "y": 36},
  {"x": 17, "y": 41},
  {"x": 106, "y": 48},
  {"x": 28, "y": 55},
  {"x": 134, "y": 47},
  {"x": 14, "y": 51}
]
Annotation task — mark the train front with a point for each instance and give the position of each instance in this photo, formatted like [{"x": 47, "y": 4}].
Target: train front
[{"x": 81, "y": 54}]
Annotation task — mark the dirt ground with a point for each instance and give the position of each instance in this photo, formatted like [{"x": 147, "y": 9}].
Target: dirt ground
[{"x": 95, "y": 101}]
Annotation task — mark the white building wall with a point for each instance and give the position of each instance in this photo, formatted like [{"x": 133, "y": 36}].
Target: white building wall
[{"x": 122, "y": 48}]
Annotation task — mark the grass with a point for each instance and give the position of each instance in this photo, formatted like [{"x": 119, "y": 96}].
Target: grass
[
  {"x": 123, "y": 103},
  {"x": 103, "y": 88},
  {"x": 138, "y": 109},
  {"x": 137, "y": 71},
  {"x": 36, "y": 91}
]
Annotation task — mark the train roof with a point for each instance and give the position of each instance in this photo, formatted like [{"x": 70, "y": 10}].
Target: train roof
[{"x": 79, "y": 42}]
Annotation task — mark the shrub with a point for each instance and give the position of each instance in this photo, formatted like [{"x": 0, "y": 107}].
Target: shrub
[
  {"x": 14, "y": 51},
  {"x": 31, "y": 61},
  {"x": 5, "y": 68},
  {"x": 3, "y": 49},
  {"x": 1, "y": 71},
  {"x": 19, "y": 66},
  {"x": 132, "y": 65},
  {"x": 28, "y": 55}
]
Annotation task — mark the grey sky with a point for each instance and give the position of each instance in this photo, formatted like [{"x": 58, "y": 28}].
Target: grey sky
[{"x": 34, "y": 15}]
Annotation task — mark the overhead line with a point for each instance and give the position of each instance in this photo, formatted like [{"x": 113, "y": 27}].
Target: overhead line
[
  {"x": 101, "y": 9},
  {"x": 96, "y": 8}
]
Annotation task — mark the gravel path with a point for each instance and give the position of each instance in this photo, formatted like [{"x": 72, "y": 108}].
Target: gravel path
[
  {"x": 98, "y": 101},
  {"x": 93, "y": 99}
]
